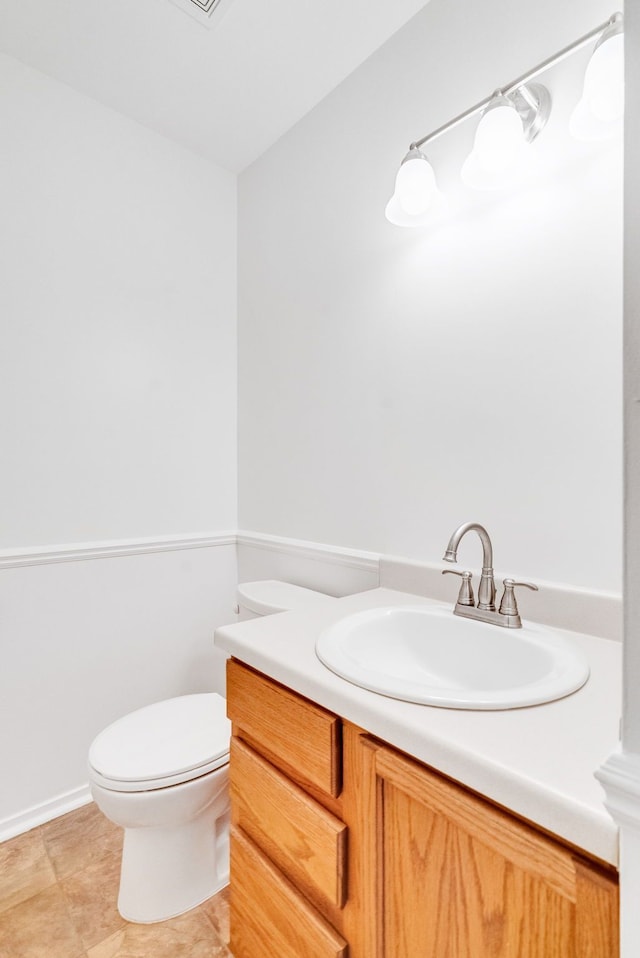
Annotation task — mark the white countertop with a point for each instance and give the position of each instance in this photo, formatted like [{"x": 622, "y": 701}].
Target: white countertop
[{"x": 537, "y": 761}]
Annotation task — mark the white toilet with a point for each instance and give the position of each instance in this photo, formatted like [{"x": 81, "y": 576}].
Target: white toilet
[{"x": 162, "y": 774}]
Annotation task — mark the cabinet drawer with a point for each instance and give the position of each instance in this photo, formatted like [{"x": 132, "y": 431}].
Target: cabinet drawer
[
  {"x": 304, "y": 840},
  {"x": 268, "y": 915},
  {"x": 296, "y": 735}
]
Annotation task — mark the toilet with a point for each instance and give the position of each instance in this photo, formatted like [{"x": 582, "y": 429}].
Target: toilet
[{"x": 162, "y": 774}]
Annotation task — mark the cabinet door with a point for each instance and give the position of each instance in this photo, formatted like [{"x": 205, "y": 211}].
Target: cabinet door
[{"x": 460, "y": 878}]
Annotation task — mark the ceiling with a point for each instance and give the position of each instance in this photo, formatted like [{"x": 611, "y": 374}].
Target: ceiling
[{"x": 228, "y": 92}]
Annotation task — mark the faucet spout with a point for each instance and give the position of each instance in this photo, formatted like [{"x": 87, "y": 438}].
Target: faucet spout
[{"x": 487, "y": 588}]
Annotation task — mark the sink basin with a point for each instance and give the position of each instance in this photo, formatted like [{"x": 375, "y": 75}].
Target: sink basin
[{"x": 430, "y": 656}]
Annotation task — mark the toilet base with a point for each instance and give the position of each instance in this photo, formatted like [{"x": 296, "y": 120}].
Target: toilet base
[{"x": 166, "y": 871}]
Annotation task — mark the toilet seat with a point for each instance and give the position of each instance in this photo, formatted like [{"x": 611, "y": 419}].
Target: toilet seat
[{"x": 163, "y": 744}]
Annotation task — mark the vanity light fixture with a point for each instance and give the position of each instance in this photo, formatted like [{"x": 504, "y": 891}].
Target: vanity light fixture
[
  {"x": 507, "y": 124},
  {"x": 415, "y": 183},
  {"x": 599, "y": 113},
  {"x": 416, "y": 197},
  {"x": 510, "y": 118}
]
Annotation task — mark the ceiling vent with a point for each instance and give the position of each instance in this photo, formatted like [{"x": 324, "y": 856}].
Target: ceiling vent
[{"x": 203, "y": 10}]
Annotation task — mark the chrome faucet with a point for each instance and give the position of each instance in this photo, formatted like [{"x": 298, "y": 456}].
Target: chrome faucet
[
  {"x": 487, "y": 588},
  {"x": 507, "y": 615}
]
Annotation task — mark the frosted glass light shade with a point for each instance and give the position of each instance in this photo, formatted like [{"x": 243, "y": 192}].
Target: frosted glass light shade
[
  {"x": 415, "y": 184},
  {"x": 599, "y": 113},
  {"x": 499, "y": 139},
  {"x": 498, "y": 145},
  {"x": 416, "y": 200},
  {"x": 604, "y": 80},
  {"x": 436, "y": 213}
]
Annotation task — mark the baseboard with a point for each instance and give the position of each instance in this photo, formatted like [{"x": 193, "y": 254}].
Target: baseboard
[
  {"x": 336, "y": 555},
  {"x": 620, "y": 778},
  {"x": 339, "y": 570},
  {"x": 112, "y": 548},
  {"x": 46, "y": 812}
]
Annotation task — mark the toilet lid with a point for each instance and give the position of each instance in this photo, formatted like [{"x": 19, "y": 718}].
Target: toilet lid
[
  {"x": 176, "y": 740},
  {"x": 266, "y": 596}
]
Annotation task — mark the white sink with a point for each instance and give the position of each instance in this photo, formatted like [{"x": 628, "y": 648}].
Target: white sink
[{"x": 430, "y": 656}]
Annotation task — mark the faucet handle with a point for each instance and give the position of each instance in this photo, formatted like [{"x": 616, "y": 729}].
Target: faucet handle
[
  {"x": 465, "y": 595},
  {"x": 508, "y": 604}
]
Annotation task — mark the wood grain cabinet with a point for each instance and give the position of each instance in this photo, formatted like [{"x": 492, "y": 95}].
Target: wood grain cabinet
[
  {"x": 458, "y": 877},
  {"x": 343, "y": 847},
  {"x": 288, "y": 841}
]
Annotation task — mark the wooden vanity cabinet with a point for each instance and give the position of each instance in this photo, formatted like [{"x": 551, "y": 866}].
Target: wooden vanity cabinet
[
  {"x": 343, "y": 847},
  {"x": 454, "y": 876},
  {"x": 288, "y": 842}
]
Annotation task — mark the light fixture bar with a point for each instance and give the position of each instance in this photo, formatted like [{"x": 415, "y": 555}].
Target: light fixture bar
[{"x": 515, "y": 84}]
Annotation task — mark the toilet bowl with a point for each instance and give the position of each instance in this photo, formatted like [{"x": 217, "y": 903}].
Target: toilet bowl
[{"x": 162, "y": 774}]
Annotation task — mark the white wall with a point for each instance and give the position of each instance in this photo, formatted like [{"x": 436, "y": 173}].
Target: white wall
[
  {"x": 631, "y": 721},
  {"x": 118, "y": 305},
  {"x": 394, "y": 384},
  {"x": 85, "y": 642},
  {"x": 620, "y": 774},
  {"x": 118, "y": 397},
  {"x": 335, "y": 572}
]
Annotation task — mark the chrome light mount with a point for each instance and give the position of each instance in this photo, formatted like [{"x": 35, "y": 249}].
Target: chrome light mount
[
  {"x": 613, "y": 28},
  {"x": 532, "y": 102},
  {"x": 414, "y": 153}
]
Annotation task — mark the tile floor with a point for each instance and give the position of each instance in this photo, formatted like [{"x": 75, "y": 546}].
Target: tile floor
[{"x": 58, "y": 891}]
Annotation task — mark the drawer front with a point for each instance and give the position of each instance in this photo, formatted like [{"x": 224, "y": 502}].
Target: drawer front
[
  {"x": 304, "y": 840},
  {"x": 268, "y": 915},
  {"x": 296, "y": 735}
]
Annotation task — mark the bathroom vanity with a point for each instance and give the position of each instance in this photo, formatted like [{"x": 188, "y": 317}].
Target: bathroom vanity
[{"x": 374, "y": 828}]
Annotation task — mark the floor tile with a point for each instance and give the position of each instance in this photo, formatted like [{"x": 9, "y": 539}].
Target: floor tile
[
  {"x": 80, "y": 839},
  {"x": 58, "y": 899},
  {"x": 40, "y": 928},
  {"x": 25, "y": 869},
  {"x": 217, "y": 911},
  {"x": 188, "y": 936},
  {"x": 92, "y": 896}
]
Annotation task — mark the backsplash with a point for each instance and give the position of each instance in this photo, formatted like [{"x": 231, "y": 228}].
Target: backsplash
[{"x": 339, "y": 571}]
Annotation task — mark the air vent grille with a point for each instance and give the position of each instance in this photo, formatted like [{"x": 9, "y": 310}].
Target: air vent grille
[
  {"x": 202, "y": 10},
  {"x": 205, "y": 5}
]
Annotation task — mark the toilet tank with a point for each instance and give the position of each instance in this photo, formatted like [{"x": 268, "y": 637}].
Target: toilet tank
[{"x": 267, "y": 596}]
